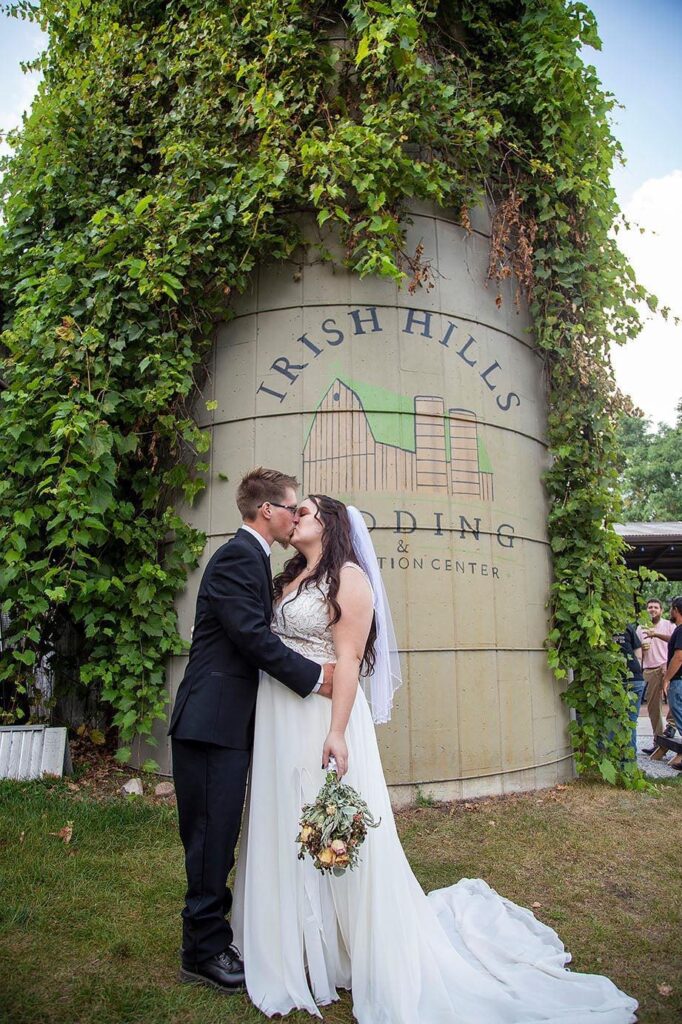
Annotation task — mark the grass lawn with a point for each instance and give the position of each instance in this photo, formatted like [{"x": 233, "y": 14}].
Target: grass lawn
[{"x": 89, "y": 930}]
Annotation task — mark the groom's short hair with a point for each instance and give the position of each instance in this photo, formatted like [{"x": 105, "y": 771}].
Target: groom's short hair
[{"x": 262, "y": 485}]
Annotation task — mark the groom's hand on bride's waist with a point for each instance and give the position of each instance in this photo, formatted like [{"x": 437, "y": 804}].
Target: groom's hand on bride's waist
[{"x": 325, "y": 689}]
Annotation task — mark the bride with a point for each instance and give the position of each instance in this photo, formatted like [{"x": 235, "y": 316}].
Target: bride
[{"x": 461, "y": 955}]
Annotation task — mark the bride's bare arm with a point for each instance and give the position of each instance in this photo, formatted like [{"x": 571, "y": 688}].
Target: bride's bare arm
[{"x": 350, "y": 636}]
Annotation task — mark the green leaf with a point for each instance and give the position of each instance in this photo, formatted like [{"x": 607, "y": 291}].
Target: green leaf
[
  {"x": 363, "y": 50},
  {"x": 23, "y": 518},
  {"x": 136, "y": 268},
  {"x": 608, "y": 771},
  {"x": 172, "y": 281},
  {"x": 143, "y": 204},
  {"x": 129, "y": 719},
  {"x": 25, "y": 657}
]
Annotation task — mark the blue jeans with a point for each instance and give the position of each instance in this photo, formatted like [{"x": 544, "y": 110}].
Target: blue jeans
[
  {"x": 636, "y": 688},
  {"x": 675, "y": 701}
]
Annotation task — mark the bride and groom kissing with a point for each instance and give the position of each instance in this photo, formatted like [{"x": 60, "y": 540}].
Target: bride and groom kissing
[{"x": 281, "y": 677}]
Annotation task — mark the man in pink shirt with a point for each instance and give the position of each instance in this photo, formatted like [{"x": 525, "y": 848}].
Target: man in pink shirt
[{"x": 655, "y": 659}]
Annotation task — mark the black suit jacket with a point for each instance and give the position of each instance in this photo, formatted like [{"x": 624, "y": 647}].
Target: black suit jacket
[{"x": 232, "y": 640}]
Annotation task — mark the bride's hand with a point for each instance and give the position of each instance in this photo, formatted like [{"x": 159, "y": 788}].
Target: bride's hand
[{"x": 335, "y": 746}]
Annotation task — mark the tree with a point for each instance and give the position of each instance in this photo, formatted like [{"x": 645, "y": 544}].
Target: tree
[{"x": 651, "y": 479}]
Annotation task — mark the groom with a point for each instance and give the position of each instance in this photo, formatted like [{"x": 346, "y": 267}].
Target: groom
[{"x": 213, "y": 718}]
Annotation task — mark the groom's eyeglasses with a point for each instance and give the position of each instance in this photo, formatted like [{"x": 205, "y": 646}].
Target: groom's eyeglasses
[{"x": 290, "y": 508}]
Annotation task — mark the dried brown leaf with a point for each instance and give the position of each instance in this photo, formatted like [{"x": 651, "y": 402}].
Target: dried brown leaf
[{"x": 65, "y": 833}]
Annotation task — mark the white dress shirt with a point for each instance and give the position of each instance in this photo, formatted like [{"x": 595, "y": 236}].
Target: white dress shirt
[
  {"x": 261, "y": 540},
  {"x": 267, "y": 549}
]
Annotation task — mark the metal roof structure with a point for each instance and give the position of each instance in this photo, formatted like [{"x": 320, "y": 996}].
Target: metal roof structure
[{"x": 654, "y": 545}]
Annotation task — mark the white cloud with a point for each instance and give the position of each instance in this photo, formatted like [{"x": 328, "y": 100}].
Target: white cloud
[
  {"x": 19, "y": 89},
  {"x": 17, "y": 102},
  {"x": 649, "y": 368}
]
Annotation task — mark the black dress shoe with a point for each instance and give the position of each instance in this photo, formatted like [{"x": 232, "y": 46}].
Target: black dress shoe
[
  {"x": 648, "y": 750},
  {"x": 224, "y": 971}
]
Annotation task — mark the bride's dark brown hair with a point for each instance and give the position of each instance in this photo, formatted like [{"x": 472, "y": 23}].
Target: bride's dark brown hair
[{"x": 337, "y": 548}]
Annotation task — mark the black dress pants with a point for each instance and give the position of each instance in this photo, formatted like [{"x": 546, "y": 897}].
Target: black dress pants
[{"x": 210, "y": 785}]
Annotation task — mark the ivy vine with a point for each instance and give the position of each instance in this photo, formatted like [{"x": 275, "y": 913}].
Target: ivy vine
[{"x": 169, "y": 145}]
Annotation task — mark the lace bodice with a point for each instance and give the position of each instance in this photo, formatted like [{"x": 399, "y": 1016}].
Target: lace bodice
[{"x": 302, "y": 621}]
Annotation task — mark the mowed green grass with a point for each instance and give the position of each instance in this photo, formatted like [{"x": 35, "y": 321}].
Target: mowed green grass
[{"x": 89, "y": 931}]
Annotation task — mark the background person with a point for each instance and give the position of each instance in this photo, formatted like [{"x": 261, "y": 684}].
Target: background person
[
  {"x": 631, "y": 649},
  {"x": 672, "y": 680},
  {"x": 655, "y": 661}
]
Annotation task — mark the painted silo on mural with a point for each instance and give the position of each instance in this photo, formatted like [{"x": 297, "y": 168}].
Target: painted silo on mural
[{"x": 426, "y": 409}]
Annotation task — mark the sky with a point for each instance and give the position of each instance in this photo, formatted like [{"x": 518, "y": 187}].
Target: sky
[{"x": 641, "y": 64}]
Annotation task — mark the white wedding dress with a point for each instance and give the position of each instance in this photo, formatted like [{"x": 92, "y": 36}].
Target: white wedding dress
[{"x": 461, "y": 955}]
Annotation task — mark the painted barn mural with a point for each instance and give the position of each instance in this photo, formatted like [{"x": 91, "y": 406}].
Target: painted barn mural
[{"x": 366, "y": 438}]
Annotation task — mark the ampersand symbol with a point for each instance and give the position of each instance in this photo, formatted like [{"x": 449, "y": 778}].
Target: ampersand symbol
[{"x": 402, "y": 547}]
